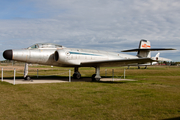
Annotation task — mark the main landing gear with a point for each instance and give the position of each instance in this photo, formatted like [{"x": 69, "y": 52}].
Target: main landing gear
[
  {"x": 76, "y": 74},
  {"x": 95, "y": 77},
  {"x": 26, "y": 77}
]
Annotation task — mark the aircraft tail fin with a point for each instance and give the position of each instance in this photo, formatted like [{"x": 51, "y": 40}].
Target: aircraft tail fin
[{"x": 144, "y": 44}]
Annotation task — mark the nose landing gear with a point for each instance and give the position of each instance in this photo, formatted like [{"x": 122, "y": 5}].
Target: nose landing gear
[{"x": 26, "y": 77}]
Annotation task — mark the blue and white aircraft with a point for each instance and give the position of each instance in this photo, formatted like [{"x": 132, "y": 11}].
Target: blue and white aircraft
[{"x": 57, "y": 55}]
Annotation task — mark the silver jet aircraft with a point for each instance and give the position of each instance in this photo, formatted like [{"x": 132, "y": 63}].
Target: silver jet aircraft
[{"x": 57, "y": 55}]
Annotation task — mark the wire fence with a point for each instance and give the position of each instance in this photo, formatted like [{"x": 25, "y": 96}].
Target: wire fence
[{"x": 112, "y": 73}]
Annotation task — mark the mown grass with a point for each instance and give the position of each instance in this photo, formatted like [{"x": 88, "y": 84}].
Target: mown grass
[{"x": 155, "y": 95}]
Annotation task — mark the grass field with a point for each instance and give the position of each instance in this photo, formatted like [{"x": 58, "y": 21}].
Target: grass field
[{"x": 155, "y": 95}]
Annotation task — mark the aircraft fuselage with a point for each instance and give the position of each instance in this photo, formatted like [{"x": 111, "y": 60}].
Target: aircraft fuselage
[{"x": 65, "y": 57}]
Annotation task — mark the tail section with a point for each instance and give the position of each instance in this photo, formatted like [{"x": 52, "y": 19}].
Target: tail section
[
  {"x": 144, "y": 44},
  {"x": 144, "y": 50}
]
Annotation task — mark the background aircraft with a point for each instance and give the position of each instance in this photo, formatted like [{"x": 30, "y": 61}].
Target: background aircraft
[
  {"x": 157, "y": 58},
  {"x": 57, "y": 55}
]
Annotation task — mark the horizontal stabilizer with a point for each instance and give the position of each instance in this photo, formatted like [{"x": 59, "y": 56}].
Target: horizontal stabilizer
[{"x": 148, "y": 49}]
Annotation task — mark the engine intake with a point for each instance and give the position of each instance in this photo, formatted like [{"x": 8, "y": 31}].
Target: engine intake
[
  {"x": 61, "y": 57},
  {"x": 56, "y": 56}
]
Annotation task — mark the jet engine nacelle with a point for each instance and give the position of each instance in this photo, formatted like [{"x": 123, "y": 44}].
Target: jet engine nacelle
[{"x": 63, "y": 57}]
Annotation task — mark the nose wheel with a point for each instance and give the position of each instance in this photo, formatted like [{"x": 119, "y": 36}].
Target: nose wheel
[{"x": 27, "y": 78}]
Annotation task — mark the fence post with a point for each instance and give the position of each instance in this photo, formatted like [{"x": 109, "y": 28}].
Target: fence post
[
  {"x": 37, "y": 73},
  {"x": 113, "y": 74},
  {"x": 124, "y": 73},
  {"x": 14, "y": 75},
  {"x": 2, "y": 75},
  {"x": 105, "y": 72},
  {"x": 69, "y": 75}
]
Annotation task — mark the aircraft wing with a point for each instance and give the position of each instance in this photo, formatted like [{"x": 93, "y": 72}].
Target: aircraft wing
[{"x": 116, "y": 62}]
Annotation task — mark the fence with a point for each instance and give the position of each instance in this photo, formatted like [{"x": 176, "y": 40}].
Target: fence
[{"x": 13, "y": 73}]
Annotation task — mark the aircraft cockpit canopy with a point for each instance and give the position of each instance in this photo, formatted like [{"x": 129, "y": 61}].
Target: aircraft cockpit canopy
[{"x": 44, "y": 45}]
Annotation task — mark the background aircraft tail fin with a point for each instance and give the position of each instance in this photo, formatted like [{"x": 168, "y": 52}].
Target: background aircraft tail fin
[
  {"x": 157, "y": 58},
  {"x": 157, "y": 55}
]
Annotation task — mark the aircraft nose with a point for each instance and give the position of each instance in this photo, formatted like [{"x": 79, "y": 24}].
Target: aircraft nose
[{"x": 7, "y": 54}]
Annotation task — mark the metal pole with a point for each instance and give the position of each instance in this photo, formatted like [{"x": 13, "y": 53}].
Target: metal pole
[
  {"x": 37, "y": 73},
  {"x": 14, "y": 75},
  {"x": 124, "y": 73},
  {"x": 69, "y": 75},
  {"x": 113, "y": 74},
  {"x": 2, "y": 75},
  {"x": 105, "y": 72}
]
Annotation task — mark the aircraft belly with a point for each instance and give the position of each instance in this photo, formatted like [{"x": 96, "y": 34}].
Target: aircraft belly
[{"x": 105, "y": 65}]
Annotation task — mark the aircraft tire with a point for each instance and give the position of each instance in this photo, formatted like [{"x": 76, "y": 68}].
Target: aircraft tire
[
  {"x": 27, "y": 78},
  {"x": 76, "y": 75},
  {"x": 97, "y": 79},
  {"x": 93, "y": 77}
]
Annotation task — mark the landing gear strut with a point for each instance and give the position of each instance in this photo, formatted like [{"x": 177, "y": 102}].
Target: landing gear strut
[
  {"x": 96, "y": 77},
  {"x": 76, "y": 74},
  {"x": 26, "y": 77}
]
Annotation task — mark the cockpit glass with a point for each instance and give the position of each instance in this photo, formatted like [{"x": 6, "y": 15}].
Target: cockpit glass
[
  {"x": 34, "y": 47},
  {"x": 44, "y": 45}
]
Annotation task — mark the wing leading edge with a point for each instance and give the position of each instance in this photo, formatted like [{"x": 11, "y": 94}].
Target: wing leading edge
[{"x": 117, "y": 62}]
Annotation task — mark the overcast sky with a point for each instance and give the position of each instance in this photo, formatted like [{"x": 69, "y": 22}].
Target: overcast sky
[{"x": 111, "y": 25}]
